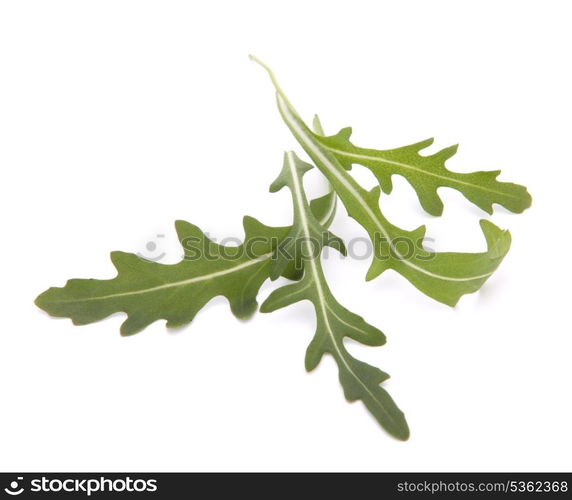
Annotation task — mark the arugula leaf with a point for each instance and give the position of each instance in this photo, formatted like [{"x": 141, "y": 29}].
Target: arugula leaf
[
  {"x": 334, "y": 322},
  {"x": 424, "y": 173},
  {"x": 427, "y": 173},
  {"x": 148, "y": 291},
  {"x": 444, "y": 276}
]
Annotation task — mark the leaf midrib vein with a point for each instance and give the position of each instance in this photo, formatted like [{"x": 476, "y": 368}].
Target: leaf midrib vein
[
  {"x": 416, "y": 169},
  {"x": 175, "y": 284}
]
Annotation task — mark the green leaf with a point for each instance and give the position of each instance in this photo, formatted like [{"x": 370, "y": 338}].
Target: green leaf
[
  {"x": 427, "y": 173},
  {"x": 148, "y": 291},
  {"x": 443, "y": 276},
  {"x": 291, "y": 248},
  {"x": 424, "y": 173},
  {"x": 334, "y": 322}
]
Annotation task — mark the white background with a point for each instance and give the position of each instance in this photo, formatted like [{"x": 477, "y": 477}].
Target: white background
[{"x": 119, "y": 117}]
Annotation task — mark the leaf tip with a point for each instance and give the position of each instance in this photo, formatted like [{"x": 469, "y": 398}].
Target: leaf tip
[
  {"x": 274, "y": 272},
  {"x": 40, "y": 300},
  {"x": 125, "y": 331},
  {"x": 274, "y": 187},
  {"x": 131, "y": 326},
  {"x": 498, "y": 240},
  {"x": 185, "y": 230},
  {"x": 317, "y": 125},
  {"x": 252, "y": 227},
  {"x": 372, "y": 273},
  {"x": 243, "y": 309},
  {"x": 116, "y": 257},
  {"x": 373, "y": 195},
  {"x": 266, "y": 307},
  {"x": 418, "y": 146},
  {"x": 255, "y": 59},
  {"x": 402, "y": 433},
  {"x": 447, "y": 153},
  {"x": 180, "y": 225}
]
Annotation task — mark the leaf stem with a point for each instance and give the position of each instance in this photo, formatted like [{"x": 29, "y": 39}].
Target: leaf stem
[{"x": 274, "y": 80}]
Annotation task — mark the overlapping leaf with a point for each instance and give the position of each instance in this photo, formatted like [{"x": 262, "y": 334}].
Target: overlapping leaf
[
  {"x": 359, "y": 380},
  {"x": 443, "y": 276},
  {"x": 148, "y": 291},
  {"x": 427, "y": 173}
]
